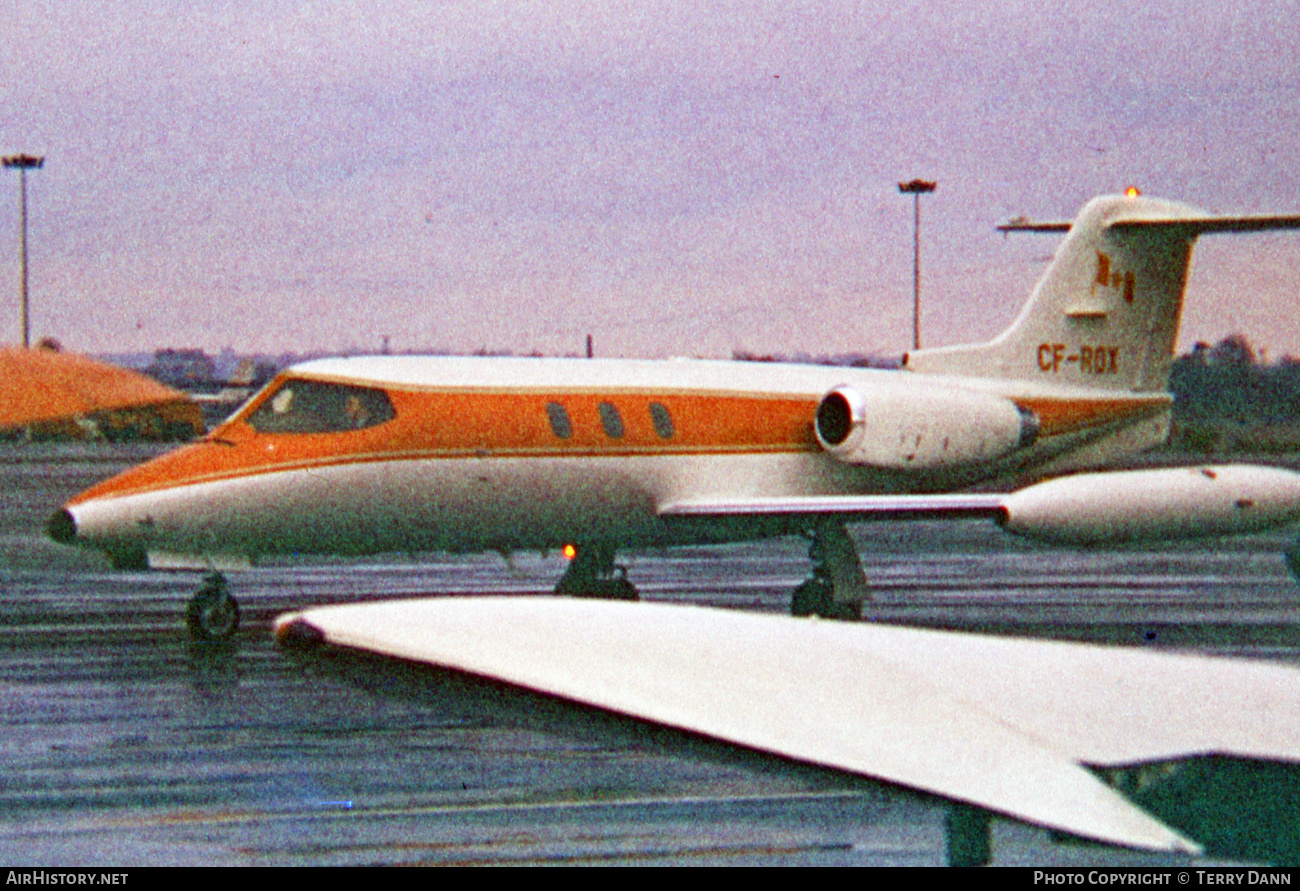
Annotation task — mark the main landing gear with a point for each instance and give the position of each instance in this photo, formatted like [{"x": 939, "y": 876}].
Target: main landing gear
[
  {"x": 838, "y": 587},
  {"x": 212, "y": 614},
  {"x": 593, "y": 573}
]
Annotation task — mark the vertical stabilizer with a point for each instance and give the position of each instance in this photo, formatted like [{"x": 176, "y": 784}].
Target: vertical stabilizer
[{"x": 1105, "y": 313}]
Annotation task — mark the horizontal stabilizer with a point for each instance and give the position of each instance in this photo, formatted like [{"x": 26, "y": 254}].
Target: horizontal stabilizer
[
  {"x": 1007, "y": 725},
  {"x": 1192, "y": 222},
  {"x": 1211, "y": 223}
]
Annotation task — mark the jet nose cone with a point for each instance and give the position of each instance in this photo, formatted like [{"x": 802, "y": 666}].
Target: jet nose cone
[{"x": 62, "y": 527}]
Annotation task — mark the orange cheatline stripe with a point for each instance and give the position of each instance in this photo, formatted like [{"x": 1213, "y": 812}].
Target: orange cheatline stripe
[
  {"x": 161, "y": 473},
  {"x": 442, "y": 425},
  {"x": 1057, "y": 415},
  {"x": 433, "y": 425}
]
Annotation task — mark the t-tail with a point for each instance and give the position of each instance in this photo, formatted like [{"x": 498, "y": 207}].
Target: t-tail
[{"x": 1105, "y": 313}]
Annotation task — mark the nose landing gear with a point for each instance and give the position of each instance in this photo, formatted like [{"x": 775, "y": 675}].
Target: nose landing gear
[{"x": 212, "y": 614}]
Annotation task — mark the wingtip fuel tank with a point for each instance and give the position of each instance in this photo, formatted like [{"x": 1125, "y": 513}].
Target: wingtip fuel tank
[{"x": 1143, "y": 505}]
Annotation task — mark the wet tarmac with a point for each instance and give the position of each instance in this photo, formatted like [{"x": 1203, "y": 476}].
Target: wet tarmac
[{"x": 126, "y": 744}]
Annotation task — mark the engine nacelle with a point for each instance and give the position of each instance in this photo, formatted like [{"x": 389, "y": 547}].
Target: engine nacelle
[{"x": 921, "y": 428}]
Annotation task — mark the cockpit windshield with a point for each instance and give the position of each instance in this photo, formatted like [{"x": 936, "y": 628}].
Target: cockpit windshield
[{"x": 308, "y": 406}]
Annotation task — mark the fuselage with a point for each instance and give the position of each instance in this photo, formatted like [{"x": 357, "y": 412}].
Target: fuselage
[{"x": 381, "y": 454}]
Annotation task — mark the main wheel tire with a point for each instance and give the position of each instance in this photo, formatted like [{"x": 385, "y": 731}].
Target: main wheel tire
[
  {"x": 212, "y": 614},
  {"x": 813, "y": 598},
  {"x": 603, "y": 589},
  {"x": 620, "y": 589}
]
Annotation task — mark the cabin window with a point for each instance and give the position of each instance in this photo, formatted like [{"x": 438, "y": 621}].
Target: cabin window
[
  {"x": 559, "y": 419},
  {"x": 662, "y": 420},
  {"x": 307, "y": 406},
  {"x": 611, "y": 420}
]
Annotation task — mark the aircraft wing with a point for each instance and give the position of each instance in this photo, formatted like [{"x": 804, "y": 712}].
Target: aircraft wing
[
  {"x": 1087, "y": 508},
  {"x": 858, "y": 507},
  {"x": 1008, "y": 725}
]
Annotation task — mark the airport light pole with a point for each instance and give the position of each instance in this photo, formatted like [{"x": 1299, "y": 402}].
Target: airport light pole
[
  {"x": 916, "y": 188},
  {"x": 24, "y": 163}
]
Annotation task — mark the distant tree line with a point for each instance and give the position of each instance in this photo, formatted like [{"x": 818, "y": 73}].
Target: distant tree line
[
  {"x": 1226, "y": 399},
  {"x": 1227, "y": 382}
]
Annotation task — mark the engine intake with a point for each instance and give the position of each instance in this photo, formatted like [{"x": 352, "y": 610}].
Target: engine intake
[{"x": 839, "y": 412}]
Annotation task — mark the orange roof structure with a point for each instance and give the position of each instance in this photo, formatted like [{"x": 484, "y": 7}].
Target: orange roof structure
[{"x": 47, "y": 391}]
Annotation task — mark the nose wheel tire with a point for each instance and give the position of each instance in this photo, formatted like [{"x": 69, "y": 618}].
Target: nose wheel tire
[
  {"x": 212, "y": 614},
  {"x": 814, "y": 597}
]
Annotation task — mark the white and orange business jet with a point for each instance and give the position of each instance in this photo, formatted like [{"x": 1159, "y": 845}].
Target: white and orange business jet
[{"x": 370, "y": 455}]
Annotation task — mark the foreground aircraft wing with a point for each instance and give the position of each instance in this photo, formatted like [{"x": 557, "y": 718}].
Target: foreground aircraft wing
[{"x": 1007, "y": 725}]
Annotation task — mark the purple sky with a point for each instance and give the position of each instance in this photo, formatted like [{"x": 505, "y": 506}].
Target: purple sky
[{"x": 672, "y": 177}]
